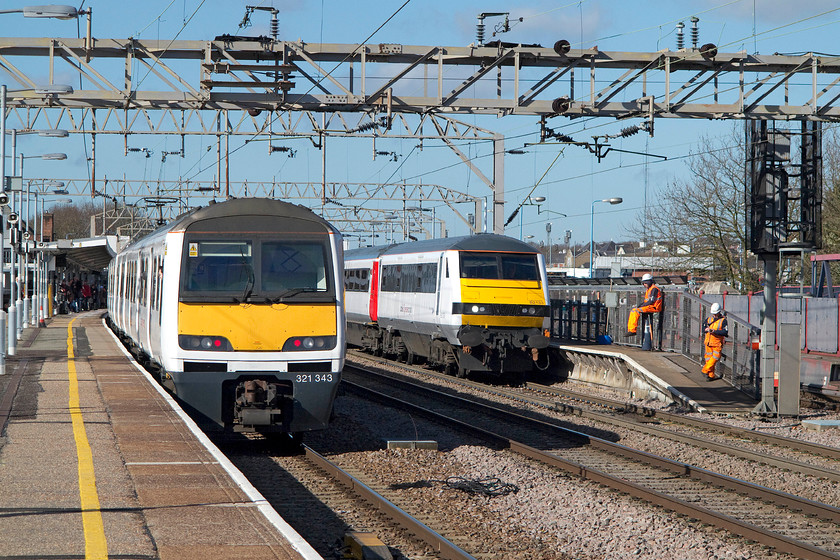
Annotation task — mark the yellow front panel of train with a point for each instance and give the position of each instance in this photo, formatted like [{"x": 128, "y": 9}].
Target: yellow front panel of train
[
  {"x": 519, "y": 292},
  {"x": 256, "y": 328}
]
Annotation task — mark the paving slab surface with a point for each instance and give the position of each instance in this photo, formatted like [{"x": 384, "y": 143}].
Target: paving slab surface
[{"x": 162, "y": 493}]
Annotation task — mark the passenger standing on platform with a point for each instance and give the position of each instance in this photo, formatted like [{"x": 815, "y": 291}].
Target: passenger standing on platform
[
  {"x": 716, "y": 329},
  {"x": 86, "y": 295},
  {"x": 653, "y": 303},
  {"x": 76, "y": 289}
]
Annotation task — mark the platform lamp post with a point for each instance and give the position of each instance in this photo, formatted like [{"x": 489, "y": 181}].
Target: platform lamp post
[
  {"x": 23, "y": 304},
  {"x": 43, "y": 269},
  {"x": 615, "y": 200},
  {"x": 548, "y": 224},
  {"x": 46, "y": 133},
  {"x": 50, "y": 89}
]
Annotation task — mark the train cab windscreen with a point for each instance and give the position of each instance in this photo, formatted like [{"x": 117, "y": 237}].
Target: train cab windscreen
[
  {"x": 499, "y": 266},
  {"x": 256, "y": 271}
]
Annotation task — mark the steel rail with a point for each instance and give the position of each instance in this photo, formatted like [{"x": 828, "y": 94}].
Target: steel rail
[
  {"x": 748, "y": 530},
  {"x": 782, "y": 441},
  {"x": 444, "y": 547},
  {"x": 649, "y": 413}
]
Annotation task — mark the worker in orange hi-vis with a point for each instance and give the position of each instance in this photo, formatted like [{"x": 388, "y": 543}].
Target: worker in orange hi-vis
[
  {"x": 716, "y": 330},
  {"x": 652, "y": 303}
]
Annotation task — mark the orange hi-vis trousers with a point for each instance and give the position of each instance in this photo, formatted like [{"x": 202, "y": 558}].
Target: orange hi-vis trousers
[
  {"x": 711, "y": 356},
  {"x": 653, "y": 301},
  {"x": 714, "y": 346},
  {"x": 636, "y": 313}
]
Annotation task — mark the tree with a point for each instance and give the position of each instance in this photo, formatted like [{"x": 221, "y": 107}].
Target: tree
[
  {"x": 71, "y": 221},
  {"x": 831, "y": 192},
  {"x": 831, "y": 196},
  {"x": 707, "y": 213}
]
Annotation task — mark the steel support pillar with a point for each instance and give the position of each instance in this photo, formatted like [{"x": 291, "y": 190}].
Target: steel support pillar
[
  {"x": 499, "y": 184},
  {"x": 768, "y": 337}
]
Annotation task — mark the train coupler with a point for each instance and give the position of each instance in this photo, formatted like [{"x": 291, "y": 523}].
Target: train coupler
[{"x": 257, "y": 403}]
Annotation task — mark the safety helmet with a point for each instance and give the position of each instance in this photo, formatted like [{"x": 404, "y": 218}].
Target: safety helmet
[
  {"x": 715, "y": 308},
  {"x": 646, "y": 277}
]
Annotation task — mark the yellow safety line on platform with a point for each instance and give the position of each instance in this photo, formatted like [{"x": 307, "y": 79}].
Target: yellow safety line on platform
[{"x": 96, "y": 546}]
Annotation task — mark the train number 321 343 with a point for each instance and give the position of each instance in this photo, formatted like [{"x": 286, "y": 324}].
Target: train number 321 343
[{"x": 314, "y": 378}]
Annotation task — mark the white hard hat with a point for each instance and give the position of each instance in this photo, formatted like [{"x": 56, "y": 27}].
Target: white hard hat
[
  {"x": 646, "y": 277},
  {"x": 715, "y": 308}
]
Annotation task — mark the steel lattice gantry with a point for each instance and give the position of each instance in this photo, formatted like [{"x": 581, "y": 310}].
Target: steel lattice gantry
[
  {"x": 258, "y": 86},
  {"x": 235, "y": 74}
]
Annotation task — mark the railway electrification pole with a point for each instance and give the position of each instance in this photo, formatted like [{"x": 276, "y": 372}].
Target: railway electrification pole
[{"x": 267, "y": 88}]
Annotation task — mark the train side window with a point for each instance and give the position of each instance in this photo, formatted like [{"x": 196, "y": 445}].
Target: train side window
[
  {"x": 428, "y": 278},
  {"x": 356, "y": 280},
  {"x": 144, "y": 278},
  {"x": 835, "y": 372},
  {"x": 160, "y": 282},
  {"x": 391, "y": 278}
]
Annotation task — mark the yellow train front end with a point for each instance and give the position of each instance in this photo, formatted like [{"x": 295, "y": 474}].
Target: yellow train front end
[
  {"x": 502, "y": 309},
  {"x": 254, "y": 339},
  {"x": 503, "y": 303}
]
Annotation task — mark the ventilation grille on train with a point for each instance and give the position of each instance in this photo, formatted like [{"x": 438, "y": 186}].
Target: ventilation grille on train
[{"x": 205, "y": 367}]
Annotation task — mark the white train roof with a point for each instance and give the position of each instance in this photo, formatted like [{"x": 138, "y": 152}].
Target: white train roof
[
  {"x": 478, "y": 242},
  {"x": 241, "y": 207}
]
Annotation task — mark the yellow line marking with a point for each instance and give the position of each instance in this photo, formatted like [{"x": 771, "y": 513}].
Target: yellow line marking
[{"x": 96, "y": 546}]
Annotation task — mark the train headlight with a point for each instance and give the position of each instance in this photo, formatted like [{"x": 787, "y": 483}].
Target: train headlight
[
  {"x": 529, "y": 310},
  {"x": 308, "y": 343},
  {"x": 204, "y": 343},
  {"x": 460, "y": 308}
]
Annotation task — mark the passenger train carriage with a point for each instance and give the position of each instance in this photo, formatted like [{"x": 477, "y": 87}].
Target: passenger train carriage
[
  {"x": 240, "y": 306},
  {"x": 476, "y": 303}
]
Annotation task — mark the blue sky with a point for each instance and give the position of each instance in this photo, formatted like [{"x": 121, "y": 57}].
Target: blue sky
[{"x": 571, "y": 183}]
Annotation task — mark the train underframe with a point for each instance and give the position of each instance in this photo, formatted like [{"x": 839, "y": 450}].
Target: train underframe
[
  {"x": 249, "y": 402},
  {"x": 503, "y": 352}
]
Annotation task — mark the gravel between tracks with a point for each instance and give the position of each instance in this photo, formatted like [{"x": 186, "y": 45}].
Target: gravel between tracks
[{"x": 554, "y": 515}]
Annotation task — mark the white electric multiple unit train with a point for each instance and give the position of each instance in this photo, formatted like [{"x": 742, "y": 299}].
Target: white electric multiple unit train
[
  {"x": 239, "y": 304},
  {"x": 476, "y": 303}
]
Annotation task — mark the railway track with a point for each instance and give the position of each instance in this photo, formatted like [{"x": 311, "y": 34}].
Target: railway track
[
  {"x": 799, "y": 456},
  {"x": 322, "y": 501},
  {"x": 786, "y": 522}
]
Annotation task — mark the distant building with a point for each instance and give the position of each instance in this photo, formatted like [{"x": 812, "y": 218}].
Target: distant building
[{"x": 613, "y": 259}]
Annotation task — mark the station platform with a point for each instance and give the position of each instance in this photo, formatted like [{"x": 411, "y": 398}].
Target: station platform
[
  {"x": 673, "y": 374},
  {"x": 97, "y": 461}
]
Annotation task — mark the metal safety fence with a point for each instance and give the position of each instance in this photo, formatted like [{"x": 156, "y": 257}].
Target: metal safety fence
[
  {"x": 582, "y": 316},
  {"x": 578, "y": 321}
]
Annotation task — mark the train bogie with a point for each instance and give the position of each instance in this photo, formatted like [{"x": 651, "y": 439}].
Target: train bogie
[
  {"x": 477, "y": 303},
  {"x": 240, "y": 306}
]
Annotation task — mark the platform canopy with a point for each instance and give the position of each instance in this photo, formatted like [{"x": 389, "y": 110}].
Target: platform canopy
[{"x": 93, "y": 253}]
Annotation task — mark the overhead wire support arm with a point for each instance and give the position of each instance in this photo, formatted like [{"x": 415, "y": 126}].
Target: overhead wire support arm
[{"x": 648, "y": 82}]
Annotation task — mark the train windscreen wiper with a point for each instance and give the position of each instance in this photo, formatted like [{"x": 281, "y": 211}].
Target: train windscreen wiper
[{"x": 291, "y": 293}]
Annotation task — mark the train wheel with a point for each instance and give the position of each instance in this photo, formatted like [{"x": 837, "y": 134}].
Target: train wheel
[
  {"x": 402, "y": 352},
  {"x": 462, "y": 373},
  {"x": 410, "y": 358},
  {"x": 451, "y": 365}
]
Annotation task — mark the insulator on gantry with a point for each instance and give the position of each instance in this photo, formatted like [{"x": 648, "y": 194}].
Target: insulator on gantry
[{"x": 695, "y": 31}]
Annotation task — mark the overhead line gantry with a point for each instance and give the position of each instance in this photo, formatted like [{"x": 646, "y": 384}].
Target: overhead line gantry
[{"x": 261, "y": 87}]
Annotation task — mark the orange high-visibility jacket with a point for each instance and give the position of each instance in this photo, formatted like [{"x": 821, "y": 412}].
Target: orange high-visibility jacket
[
  {"x": 653, "y": 300},
  {"x": 718, "y": 331}
]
